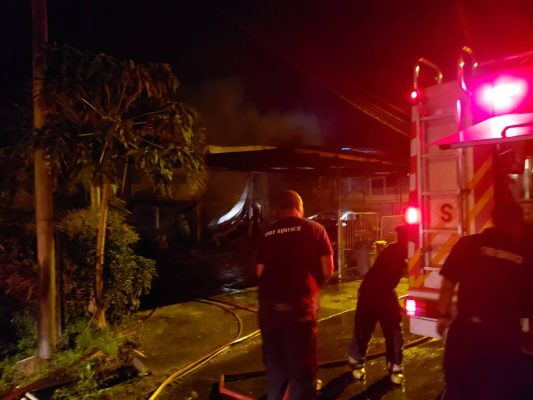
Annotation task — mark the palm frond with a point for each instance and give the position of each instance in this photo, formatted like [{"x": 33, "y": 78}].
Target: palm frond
[{"x": 101, "y": 112}]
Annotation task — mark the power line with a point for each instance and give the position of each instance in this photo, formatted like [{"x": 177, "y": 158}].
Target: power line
[{"x": 397, "y": 119}]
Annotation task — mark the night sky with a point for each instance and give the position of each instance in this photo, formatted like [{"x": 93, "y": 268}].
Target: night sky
[{"x": 280, "y": 72}]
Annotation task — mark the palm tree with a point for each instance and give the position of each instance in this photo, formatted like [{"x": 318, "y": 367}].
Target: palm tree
[
  {"x": 44, "y": 211},
  {"x": 104, "y": 114}
]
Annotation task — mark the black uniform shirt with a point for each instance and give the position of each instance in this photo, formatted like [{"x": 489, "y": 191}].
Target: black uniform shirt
[
  {"x": 389, "y": 267},
  {"x": 490, "y": 270},
  {"x": 290, "y": 252}
]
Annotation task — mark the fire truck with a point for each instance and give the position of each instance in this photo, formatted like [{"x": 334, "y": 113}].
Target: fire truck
[{"x": 470, "y": 149}]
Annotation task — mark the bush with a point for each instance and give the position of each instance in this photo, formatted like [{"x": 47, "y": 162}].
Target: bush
[
  {"x": 20, "y": 342},
  {"x": 78, "y": 340},
  {"x": 127, "y": 276},
  {"x": 18, "y": 283}
]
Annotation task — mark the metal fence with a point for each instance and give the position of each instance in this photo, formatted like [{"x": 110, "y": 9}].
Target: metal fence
[
  {"x": 388, "y": 227},
  {"x": 363, "y": 227},
  {"x": 363, "y": 236}
]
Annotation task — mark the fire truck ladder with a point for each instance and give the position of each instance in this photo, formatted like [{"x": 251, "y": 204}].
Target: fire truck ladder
[{"x": 439, "y": 196}]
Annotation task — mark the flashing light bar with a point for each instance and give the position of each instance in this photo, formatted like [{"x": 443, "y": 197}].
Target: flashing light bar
[{"x": 502, "y": 95}]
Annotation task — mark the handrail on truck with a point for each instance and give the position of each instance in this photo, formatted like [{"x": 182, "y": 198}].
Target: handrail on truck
[
  {"x": 467, "y": 55},
  {"x": 425, "y": 62}
]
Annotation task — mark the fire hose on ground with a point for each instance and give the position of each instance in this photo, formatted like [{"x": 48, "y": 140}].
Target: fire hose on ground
[{"x": 227, "y": 306}]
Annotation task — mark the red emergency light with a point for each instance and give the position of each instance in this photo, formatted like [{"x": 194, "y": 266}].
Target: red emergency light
[
  {"x": 412, "y": 215},
  {"x": 410, "y": 307},
  {"x": 415, "y": 96},
  {"x": 502, "y": 95}
]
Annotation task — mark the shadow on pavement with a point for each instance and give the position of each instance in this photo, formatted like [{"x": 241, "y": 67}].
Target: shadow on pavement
[
  {"x": 335, "y": 387},
  {"x": 377, "y": 390}
]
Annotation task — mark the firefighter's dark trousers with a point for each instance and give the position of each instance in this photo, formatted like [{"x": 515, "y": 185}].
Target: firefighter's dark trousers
[
  {"x": 289, "y": 355},
  {"x": 483, "y": 361},
  {"x": 369, "y": 311}
]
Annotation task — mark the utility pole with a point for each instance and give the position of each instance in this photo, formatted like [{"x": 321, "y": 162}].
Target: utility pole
[{"x": 47, "y": 330}]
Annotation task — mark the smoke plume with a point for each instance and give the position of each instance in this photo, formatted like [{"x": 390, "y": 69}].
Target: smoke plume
[{"x": 232, "y": 121}]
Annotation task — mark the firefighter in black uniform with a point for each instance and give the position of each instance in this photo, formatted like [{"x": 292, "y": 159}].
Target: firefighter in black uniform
[
  {"x": 377, "y": 301},
  {"x": 482, "y": 356},
  {"x": 294, "y": 259}
]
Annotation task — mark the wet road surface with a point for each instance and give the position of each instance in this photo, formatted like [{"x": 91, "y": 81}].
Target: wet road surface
[
  {"x": 220, "y": 276},
  {"x": 241, "y": 365},
  {"x": 198, "y": 308}
]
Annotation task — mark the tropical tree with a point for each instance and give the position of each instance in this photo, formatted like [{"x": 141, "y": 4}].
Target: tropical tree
[
  {"x": 104, "y": 116},
  {"x": 44, "y": 211}
]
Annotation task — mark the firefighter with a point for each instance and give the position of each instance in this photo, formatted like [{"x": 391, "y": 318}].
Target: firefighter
[
  {"x": 294, "y": 258},
  {"x": 527, "y": 345},
  {"x": 377, "y": 301},
  {"x": 482, "y": 357}
]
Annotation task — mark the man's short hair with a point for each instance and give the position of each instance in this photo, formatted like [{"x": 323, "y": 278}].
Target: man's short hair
[
  {"x": 507, "y": 213},
  {"x": 287, "y": 200}
]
